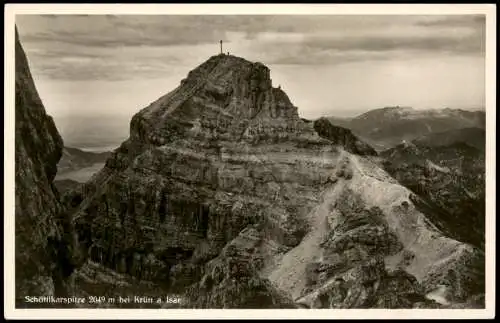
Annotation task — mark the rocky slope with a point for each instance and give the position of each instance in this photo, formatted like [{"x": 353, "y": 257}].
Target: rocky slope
[
  {"x": 43, "y": 237},
  {"x": 222, "y": 194},
  {"x": 387, "y": 127},
  {"x": 450, "y": 177}
]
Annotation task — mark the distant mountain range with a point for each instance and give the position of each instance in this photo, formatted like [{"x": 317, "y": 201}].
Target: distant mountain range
[
  {"x": 95, "y": 133},
  {"x": 387, "y": 127},
  {"x": 74, "y": 159}
]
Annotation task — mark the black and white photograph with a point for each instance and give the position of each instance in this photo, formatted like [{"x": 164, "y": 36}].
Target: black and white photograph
[{"x": 298, "y": 157}]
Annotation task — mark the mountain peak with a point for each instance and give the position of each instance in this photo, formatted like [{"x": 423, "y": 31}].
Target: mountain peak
[
  {"x": 224, "y": 97},
  {"x": 221, "y": 64}
]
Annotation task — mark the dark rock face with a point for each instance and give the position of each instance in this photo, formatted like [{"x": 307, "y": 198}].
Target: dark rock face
[
  {"x": 232, "y": 279},
  {"x": 342, "y": 137},
  {"x": 224, "y": 195},
  {"x": 66, "y": 185},
  {"x": 43, "y": 234}
]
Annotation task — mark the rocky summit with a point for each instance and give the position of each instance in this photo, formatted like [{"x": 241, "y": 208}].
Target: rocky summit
[{"x": 223, "y": 195}]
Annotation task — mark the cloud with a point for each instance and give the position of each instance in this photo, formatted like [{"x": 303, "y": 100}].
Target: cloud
[
  {"x": 143, "y": 30},
  {"x": 122, "y": 46},
  {"x": 164, "y": 30},
  {"x": 66, "y": 63},
  {"x": 382, "y": 43},
  {"x": 108, "y": 31},
  {"x": 476, "y": 21},
  {"x": 423, "y": 36}
]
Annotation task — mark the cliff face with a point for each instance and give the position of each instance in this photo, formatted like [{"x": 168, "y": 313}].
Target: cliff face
[
  {"x": 42, "y": 234},
  {"x": 224, "y": 195}
]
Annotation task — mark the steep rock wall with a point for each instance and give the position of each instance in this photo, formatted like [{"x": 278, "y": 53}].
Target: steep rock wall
[{"x": 43, "y": 236}]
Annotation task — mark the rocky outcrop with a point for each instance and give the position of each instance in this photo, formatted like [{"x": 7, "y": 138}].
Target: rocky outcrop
[
  {"x": 224, "y": 195},
  {"x": 342, "y": 137},
  {"x": 43, "y": 235}
]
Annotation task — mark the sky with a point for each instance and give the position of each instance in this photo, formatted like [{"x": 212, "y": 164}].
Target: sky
[{"x": 340, "y": 65}]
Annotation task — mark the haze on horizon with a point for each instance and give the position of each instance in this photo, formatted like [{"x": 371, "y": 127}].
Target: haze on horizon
[{"x": 337, "y": 65}]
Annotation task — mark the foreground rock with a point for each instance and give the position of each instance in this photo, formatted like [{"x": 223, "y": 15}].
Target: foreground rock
[
  {"x": 224, "y": 195},
  {"x": 73, "y": 159},
  {"x": 43, "y": 237}
]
